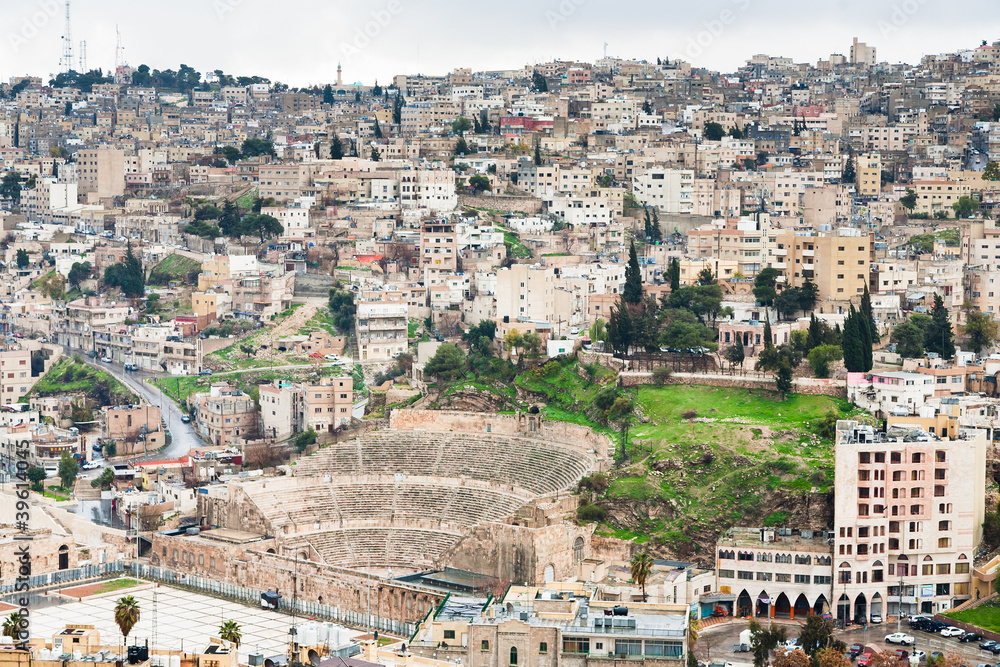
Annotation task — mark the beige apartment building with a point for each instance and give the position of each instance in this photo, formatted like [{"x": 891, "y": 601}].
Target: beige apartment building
[
  {"x": 225, "y": 414},
  {"x": 101, "y": 172},
  {"x": 668, "y": 190},
  {"x": 381, "y": 329},
  {"x": 939, "y": 195},
  {"x": 774, "y": 572},
  {"x": 838, "y": 263},
  {"x": 526, "y": 293},
  {"x": 907, "y": 520},
  {"x": 15, "y": 375},
  {"x": 326, "y": 403},
  {"x": 868, "y": 169},
  {"x": 438, "y": 246}
]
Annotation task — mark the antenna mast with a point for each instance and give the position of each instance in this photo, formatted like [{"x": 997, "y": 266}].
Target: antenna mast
[
  {"x": 119, "y": 50},
  {"x": 66, "y": 62}
]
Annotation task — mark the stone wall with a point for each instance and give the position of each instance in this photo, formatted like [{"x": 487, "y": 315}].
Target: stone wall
[
  {"x": 253, "y": 567},
  {"x": 520, "y": 554},
  {"x": 517, "y": 425},
  {"x": 812, "y": 386},
  {"x": 513, "y": 204},
  {"x": 602, "y": 358}
]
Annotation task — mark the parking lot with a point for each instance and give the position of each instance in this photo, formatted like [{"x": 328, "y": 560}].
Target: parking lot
[{"x": 717, "y": 642}]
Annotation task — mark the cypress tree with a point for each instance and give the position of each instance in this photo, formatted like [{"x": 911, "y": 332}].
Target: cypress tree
[
  {"x": 868, "y": 314},
  {"x": 865, "y": 341},
  {"x": 939, "y": 337},
  {"x": 632, "y": 292},
  {"x": 674, "y": 274},
  {"x": 851, "y": 343},
  {"x": 768, "y": 337}
]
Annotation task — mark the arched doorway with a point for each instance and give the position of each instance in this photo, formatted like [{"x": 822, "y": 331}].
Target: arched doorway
[
  {"x": 844, "y": 608},
  {"x": 782, "y": 607},
  {"x": 822, "y": 606},
  {"x": 64, "y": 557},
  {"x": 549, "y": 574},
  {"x": 861, "y": 609},
  {"x": 578, "y": 550},
  {"x": 744, "y": 605},
  {"x": 801, "y": 608},
  {"x": 876, "y": 606},
  {"x": 763, "y": 605}
]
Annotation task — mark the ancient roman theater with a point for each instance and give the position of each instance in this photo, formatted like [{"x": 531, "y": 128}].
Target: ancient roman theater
[{"x": 487, "y": 493}]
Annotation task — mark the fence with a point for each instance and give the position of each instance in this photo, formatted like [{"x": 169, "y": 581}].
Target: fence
[
  {"x": 65, "y": 576},
  {"x": 296, "y": 606}
]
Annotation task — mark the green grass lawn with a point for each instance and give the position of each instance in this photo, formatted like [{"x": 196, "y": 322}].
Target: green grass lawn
[
  {"x": 179, "y": 388},
  {"x": 174, "y": 267},
  {"x": 68, "y": 376},
  {"x": 321, "y": 320},
  {"x": 752, "y": 450},
  {"x": 515, "y": 248},
  {"x": 116, "y": 585},
  {"x": 56, "y": 493},
  {"x": 985, "y": 616}
]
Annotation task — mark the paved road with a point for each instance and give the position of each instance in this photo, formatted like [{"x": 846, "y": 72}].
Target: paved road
[
  {"x": 183, "y": 436},
  {"x": 719, "y": 640}
]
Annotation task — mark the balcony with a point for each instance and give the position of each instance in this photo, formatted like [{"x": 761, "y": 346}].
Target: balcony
[{"x": 808, "y": 253}]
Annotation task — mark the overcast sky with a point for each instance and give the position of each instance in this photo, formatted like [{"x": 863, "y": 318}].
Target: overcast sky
[{"x": 301, "y": 41}]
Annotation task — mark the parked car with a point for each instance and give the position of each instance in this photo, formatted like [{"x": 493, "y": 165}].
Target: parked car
[
  {"x": 937, "y": 655},
  {"x": 899, "y": 638},
  {"x": 106, "y": 360},
  {"x": 970, "y": 637},
  {"x": 952, "y": 631},
  {"x": 864, "y": 659},
  {"x": 919, "y": 655},
  {"x": 186, "y": 419},
  {"x": 332, "y": 357},
  {"x": 855, "y": 650},
  {"x": 902, "y": 654},
  {"x": 876, "y": 618},
  {"x": 91, "y": 466},
  {"x": 987, "y": 645},
  {"x": 205, "y": 371}
]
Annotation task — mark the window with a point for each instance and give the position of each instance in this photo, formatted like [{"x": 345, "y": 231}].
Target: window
[
  {"x": 627, "y": 647},
  {"x": 944, "y": 542},
  {"x": 484, "y": 646},
  {"x": 943, "y": 589},
  {"x": 938, "y": 490},
  {"x": 543, "y": 647},
  {"x": 763, "y": 576},
  {"x": 513, "y": 655},
  {"x": 660, "y": 647},
  {"x": 944, "y": 568},
  {"x": 961, "y": 568},
  {"x": 896, "y": 457},
  {"x": 726, "y": 574},
  {"x": 916, "y": 457},
  {"x": 449, "y": 634},
  {"x": 820, "y": 579},
  {"x": 576, "y": 645},
  {"x": 743, "y": 574},
  {"x": 802, "y": 578},
  {"x": 782, "y": 577}
]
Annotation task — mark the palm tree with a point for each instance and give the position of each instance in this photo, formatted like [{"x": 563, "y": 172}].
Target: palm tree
[
  {"x": 230, "y": 631},
  {"x": 12, "y": 624},
  {"x": 642, "y": 565},
  {"x": 126, "y": 614}
]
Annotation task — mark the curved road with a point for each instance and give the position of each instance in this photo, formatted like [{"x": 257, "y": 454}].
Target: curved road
[{"x": 183, "y": 436}]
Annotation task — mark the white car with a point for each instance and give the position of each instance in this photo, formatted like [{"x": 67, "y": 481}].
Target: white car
[
  {"x": 106, "y": 360},
  {"x": 91, "y": 466},
  {"x": 919, "y": 655},
  {"x": 332, "y": 357},
  {"x": 952, "y": 631},
  {"x": 899, "y": 638}
]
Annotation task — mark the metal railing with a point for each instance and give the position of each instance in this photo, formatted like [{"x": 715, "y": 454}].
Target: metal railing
[{"x": 66, "y": 576}]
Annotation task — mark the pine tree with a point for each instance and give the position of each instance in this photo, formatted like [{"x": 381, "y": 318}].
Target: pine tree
[
  {"x": 939, "y": 337},
  {"x": 377, "y": 129},
  {"x": 768, "y": 336},
  {"x": 336, "y": 148},
  {"x": 397, "y": 109},
  {"x": 868, "y": 315},
  {"x": 632, "y": 292},
  {"x": 851, "y": 343},
  {"x": 815, "y": 332},
  {"x": 328, "y": 94},
  {"x": 674, "y": 274}
]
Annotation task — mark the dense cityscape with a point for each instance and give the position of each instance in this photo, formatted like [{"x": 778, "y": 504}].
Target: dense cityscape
[{"x": 562, "y": 365}]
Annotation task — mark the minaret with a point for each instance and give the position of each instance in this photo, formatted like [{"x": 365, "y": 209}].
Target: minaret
[{"x": 339, "y": 82}]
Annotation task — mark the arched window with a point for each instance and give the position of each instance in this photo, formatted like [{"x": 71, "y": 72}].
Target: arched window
[
  {"x": 577, "y": 552},
  {"x": 513, "y": 655}
]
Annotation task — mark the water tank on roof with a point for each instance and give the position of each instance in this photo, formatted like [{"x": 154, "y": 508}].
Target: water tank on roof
[
  {"x": 175, "y": 661},
  {"x": 620, "y": 611},
  {"x": 255, "y": 659},
  {"x": 193, "y": 531},
  {"x": 322, "y": 632}
]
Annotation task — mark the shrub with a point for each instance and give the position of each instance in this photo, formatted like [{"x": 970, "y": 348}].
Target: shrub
[
  {"x": 590, "y": 512},
  {"x": 690, "y": 414},
  {"x": 661, "y": 375},
  {"x": 598, "y": 483}
]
